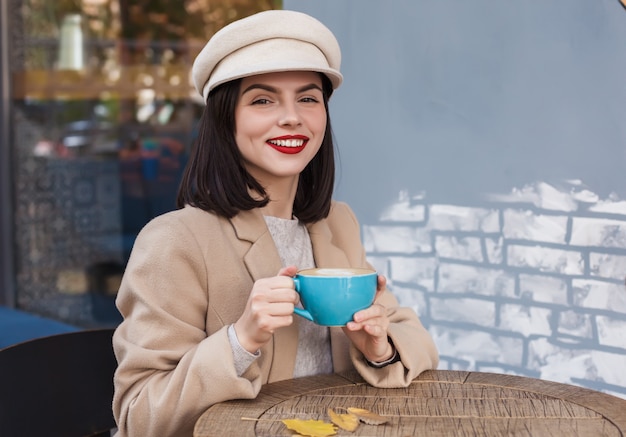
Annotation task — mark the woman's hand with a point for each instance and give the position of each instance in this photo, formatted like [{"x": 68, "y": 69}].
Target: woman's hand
[
  {"x": 269, "y": 307},
  {"x": 368, "y": 330}
]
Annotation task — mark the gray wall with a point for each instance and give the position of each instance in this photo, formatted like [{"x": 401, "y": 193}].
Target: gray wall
[
  {"x": 482, "y": 145},
  {"x": 459, "y": 98}
]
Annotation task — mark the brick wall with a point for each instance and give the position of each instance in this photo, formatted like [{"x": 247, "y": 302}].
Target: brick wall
[{"x": 529, "y": 283}]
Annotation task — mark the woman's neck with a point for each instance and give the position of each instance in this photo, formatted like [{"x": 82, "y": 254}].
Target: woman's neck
[{"x": 282, "y": 195}]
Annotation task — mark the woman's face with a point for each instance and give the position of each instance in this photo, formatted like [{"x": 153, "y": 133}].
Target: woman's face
[{"x": 280, "y": 122}]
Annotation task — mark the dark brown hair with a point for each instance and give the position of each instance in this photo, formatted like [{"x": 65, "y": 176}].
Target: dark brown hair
[{"x": 216, "y": 180}]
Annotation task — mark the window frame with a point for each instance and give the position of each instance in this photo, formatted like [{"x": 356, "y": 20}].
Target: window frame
[{"x": 7, "y": 268}]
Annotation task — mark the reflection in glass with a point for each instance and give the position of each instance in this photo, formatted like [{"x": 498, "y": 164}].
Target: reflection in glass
[
  {"x": 104, "y": 117},
  {"x": 71, "y": 43}
]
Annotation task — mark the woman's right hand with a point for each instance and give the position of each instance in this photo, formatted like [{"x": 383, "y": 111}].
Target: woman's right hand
[{"x": 269, "y": 307}]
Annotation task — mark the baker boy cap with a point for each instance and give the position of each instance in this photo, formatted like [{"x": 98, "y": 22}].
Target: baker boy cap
[{"x": 267, "y": 42}]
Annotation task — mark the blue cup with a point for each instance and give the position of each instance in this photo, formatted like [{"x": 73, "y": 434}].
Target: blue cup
[{"x": 330, "y": 297}]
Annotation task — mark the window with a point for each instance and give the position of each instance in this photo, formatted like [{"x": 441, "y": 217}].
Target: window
[{"x": 102, "y": 118}]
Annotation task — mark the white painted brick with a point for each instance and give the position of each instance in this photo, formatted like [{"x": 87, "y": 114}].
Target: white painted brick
[
  {"x": 460, "y": 218},
  {"x": 612, "y": 207},
  {"x": 544, "y": 259},
  {"x": 479, "y": 312},
  {"x": 600, "y": 295},
  {"x": 462, "y": 248},
  {"x": 412, "y": 298},
  {"x": 611, "y": 332},
  {"x": 610, "y": 368},
  {"x": 614, "y": 393},
  {"x": 560, "y": 364},
  {"x": 420, "y": 271},
  {"x": 499, "y": 370},
  {"x": 404, "y": 211},
  {"x": 454, "y": 365},
  {"x": 526, "y": 320},
  {"x": 403, "y": 239},
  {"x": 606, "y": 265},
  {"x": 475, "y": 346},
  {"x": 542, "y": 195},
  {"x": 543, "y": 289},
  {"x": 598, "y": 232},
  {"x": 455, "y": 278},
  {"x": 576, "y": 324},
  {"x": 524, "y": 225},
  {"x": 494, "y": 250}
]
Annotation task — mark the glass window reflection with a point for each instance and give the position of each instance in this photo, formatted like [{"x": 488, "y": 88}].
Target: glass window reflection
[{"x": 103, "y": 120}]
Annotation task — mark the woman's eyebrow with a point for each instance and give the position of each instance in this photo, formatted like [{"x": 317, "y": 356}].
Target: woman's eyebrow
[
  {"x": 308, "y": 87},
  {"x": 271, "y": 89},
  {"x": 260, "y": 86}
]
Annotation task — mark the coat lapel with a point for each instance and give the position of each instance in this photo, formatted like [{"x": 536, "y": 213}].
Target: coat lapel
[
  {"x": 261, "y": 257},
  {"x": 325, "y": 252},
  {"x": 262, "y": 261}
]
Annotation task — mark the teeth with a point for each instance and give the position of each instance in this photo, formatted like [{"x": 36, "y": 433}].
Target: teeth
[{"x": 287, "y": 143}]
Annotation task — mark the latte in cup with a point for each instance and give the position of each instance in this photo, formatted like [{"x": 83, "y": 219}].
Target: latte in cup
[
  {"x": 331, "y": 296},
  {"x": 335, "y": 272}
]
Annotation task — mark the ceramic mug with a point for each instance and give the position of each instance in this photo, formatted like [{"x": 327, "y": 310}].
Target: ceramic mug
[{"x": 331, "y": 296}]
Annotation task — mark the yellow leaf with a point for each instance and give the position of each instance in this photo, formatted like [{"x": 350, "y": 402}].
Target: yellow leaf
[
  {"x": 311, "y": 428},
  {"x": 367, "y": 416},
  {"x": 348, "y": 421}
]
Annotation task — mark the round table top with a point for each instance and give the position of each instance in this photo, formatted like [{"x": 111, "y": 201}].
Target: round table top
[{"x": 437, "y": 403}]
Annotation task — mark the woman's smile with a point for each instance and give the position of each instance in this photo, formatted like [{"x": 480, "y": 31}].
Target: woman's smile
[{"x": 289, "y": 144}]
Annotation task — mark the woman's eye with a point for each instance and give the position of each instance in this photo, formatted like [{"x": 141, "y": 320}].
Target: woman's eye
[
  {"x": 260, "y": 101},
  {"x": 309, "y": 100}
]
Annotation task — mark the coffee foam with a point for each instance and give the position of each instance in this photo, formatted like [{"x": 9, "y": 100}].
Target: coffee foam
[{"x": 335, "y": 272}]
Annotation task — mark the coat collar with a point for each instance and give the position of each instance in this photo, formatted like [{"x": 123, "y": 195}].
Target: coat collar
[{"x": 262, "y": 259}]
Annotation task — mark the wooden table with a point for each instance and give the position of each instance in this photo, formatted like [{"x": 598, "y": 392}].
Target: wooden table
[{"x": 437, "y": 403}]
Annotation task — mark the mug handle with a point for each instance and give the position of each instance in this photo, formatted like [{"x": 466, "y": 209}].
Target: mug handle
[{"x": 300, "y": 311}]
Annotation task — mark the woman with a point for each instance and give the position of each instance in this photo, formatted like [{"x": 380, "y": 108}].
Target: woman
[{"x": 208, "y": 296}]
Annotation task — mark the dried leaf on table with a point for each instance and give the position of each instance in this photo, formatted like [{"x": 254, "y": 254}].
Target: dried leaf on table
[
  {"x": 347, "y": 421},
  {"x": 367, "y": 416},
  {"x": 311, "y": 428}
]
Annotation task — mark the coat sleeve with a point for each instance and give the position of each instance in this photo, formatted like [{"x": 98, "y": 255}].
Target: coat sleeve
[
  {"x": 170, "y": 371},
  {"x": 412, "y": 341}
]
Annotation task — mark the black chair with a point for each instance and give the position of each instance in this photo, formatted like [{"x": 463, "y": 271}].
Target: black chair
[{"x": 61, "y": 385}]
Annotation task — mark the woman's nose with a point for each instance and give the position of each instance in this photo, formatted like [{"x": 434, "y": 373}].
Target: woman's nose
[{"x": 290, "y": 116}]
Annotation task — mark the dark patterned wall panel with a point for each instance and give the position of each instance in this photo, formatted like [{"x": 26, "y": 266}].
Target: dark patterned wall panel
[{"x": 68, "y": 222}]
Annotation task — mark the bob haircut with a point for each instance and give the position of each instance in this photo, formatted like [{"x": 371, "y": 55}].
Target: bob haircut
[{"x": 216, "y": 180}]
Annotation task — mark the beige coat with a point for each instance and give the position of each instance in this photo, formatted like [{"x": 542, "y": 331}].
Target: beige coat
[{"x": 187, "y": 279}]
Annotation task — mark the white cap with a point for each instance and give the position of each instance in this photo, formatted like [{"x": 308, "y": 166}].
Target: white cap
[{"x": 267, "y": 42}]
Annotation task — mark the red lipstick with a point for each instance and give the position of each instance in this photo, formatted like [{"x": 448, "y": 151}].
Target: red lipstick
[{"x": 289, "y": 144}]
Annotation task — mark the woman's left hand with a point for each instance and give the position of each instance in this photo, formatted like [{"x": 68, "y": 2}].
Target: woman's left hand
[{"x": 368, "y": 330}]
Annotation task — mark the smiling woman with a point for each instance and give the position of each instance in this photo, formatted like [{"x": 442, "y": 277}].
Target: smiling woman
[{"x": 208, "y": 295}]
